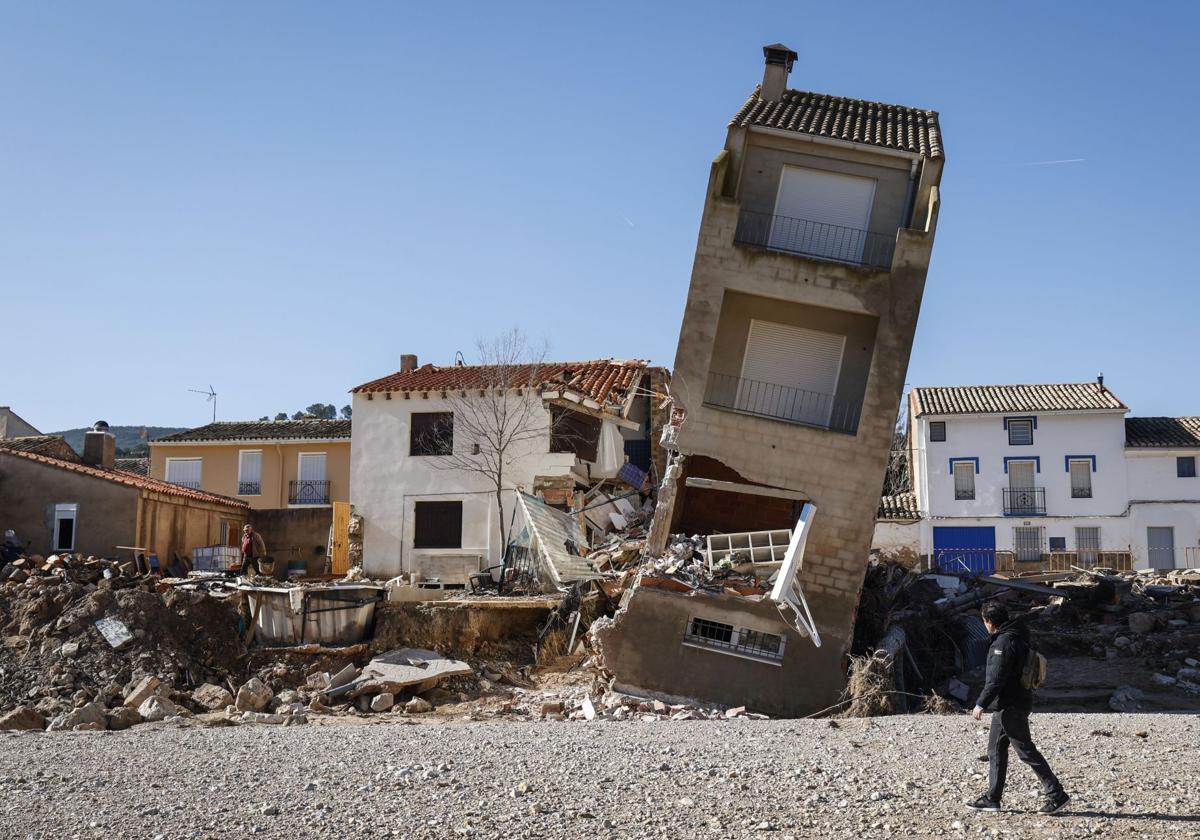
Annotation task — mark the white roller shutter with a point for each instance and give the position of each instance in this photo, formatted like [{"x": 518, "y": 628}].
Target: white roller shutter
[
  {"x": 790, "y": 372},
  {"x": 822, "y": 213}
]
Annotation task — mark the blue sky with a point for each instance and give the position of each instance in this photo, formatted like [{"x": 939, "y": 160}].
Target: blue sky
[{"x": 281, "y": 198}]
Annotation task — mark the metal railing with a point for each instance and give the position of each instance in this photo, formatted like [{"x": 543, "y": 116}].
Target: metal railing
[
  {"x": 308, "y": 492},
  {"x": 779, "y": 402},
  {"x": 191, "y": 485},
  {"x": 972, "y": 561},
  {"x": 815, "y": 239},
  {"x": 249, "y": 488},
  {"x": 1024, "y": 501}
]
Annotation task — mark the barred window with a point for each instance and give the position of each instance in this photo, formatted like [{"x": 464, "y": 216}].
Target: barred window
[
  {"x": 964, "y": 480},
  {"x": 737, "y": 641},
  {"x": 1081, "y": 479},
  {"x": 1027, "y": 542},
  {"x": 937, "y": 431},
  {"x": 1020, "y": 432}
]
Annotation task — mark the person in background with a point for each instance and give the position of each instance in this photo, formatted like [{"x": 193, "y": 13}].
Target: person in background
[
  {"x": 1010, "y": 704},
  {"x": 12, "y": 548},
  {"x": 253, "y": 550}
]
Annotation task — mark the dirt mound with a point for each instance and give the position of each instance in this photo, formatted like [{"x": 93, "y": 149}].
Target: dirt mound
[{"x": 53, "y": 656}]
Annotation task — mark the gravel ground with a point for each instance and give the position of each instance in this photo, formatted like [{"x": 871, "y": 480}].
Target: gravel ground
[{"x": 1130, "y": 775}]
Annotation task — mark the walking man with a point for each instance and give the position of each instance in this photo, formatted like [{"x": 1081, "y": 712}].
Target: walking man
[
  {"x": 1010, "y": 703},
  {"x": 253, "y": 549}
]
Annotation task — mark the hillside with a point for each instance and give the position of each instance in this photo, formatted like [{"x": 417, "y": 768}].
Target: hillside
[{"x": 128, "y": 437}]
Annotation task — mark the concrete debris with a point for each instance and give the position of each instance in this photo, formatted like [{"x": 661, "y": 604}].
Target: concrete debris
[
  {"x": 22, "y": 718},
  {"x": 384, "y": 701},
  {"x": 87, "y": 717},
  {"x": 123, "y": 717},
  {"x": 253, "y": 696},
  {"x": 114, "y": 632},
  {"x": 418, "y": 706},
  {"x": 147, "y": 687},
  {"x": 156, "y": 708},
  {"x": 212, "y": 697}
]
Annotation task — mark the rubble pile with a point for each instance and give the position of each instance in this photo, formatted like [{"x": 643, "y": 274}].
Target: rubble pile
[{"x": 74, "y": 568}]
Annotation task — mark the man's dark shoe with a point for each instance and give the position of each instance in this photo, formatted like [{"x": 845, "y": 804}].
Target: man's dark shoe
[
  {"x": 983, "y": 804},
  {"x": 1054, "y": 803}
]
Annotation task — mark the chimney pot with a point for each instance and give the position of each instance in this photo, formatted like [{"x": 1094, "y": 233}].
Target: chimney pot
[
  {"x": 408, "y": 362},
  {"x": 99, "y": 446},
  {"x": 779, "y": 59}
]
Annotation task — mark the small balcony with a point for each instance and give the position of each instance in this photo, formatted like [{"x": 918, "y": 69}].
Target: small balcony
[
  {"x": 1024, "y": 501},
  {"x": 308, "y": 492},
  {"x": 815, "y": 239},
  {"x": 190, "y": 485},
  {"x": 249, "y": 488},
  {"x": 778, "y": 402}
]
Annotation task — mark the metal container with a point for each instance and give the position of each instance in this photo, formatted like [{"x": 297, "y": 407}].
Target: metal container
[{"x": 329, "y": 615}]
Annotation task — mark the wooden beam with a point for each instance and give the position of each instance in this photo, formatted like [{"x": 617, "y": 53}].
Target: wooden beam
[
  {"x": 602, "y": 415},
  {"x": 749, "y": 489}
]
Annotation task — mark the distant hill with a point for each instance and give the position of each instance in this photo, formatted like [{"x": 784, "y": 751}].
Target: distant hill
[{"x": 128, "y": 437}]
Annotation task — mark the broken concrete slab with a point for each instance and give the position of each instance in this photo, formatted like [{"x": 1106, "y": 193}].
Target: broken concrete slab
[
  {"x": 383, "y": 702},
  {"x": 146, "y": 687},
  {"x": 114, "y": 632},
  {"x": 404, "y": 668}
]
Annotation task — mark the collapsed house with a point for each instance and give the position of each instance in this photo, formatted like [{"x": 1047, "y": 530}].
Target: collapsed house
[
  {"x": 440, "y": 454},
  {"x": 816, "y": 236}
]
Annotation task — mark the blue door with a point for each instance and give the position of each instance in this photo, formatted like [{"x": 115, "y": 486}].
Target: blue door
[{"x": 964, "y": 551}]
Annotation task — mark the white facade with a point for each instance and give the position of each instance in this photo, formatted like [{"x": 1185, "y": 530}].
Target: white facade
[
  {"x": 387, "y": 482},
  {"x": 1133, "y": 499}
]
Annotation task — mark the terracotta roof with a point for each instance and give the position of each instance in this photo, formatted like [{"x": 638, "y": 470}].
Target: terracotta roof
[
  {"x": 137, "y": 466},
  {"x": 53, "y": 445},
  {"x": 130, "y": 479},
  {"x": 1015, "y": 399},
  {"x": 606, "y": 381},
  {"x": 1167, "y": 432},
  {"x": 898, "y": 506},
  {"x": 839, "y": 118},
  {"x": 263, "y": 430}
]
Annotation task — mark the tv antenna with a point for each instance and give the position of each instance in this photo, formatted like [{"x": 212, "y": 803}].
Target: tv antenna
[{"x": 212, "y": 398}]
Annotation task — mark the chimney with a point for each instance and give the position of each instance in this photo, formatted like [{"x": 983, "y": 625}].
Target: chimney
[
  {"x": 408, "y": 363},
  {"x": 1100, "y": 381},
  {"x": 99, "y": 446},
  {"x": 775, "y": 74}
]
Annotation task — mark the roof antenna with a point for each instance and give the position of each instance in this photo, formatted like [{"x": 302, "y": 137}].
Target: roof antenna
[
  {"x": 459, "y": 361},
  {"x": 212, "y": 398}
]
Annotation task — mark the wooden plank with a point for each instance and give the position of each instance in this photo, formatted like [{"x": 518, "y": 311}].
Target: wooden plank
[{"x": 340, "y": 539}]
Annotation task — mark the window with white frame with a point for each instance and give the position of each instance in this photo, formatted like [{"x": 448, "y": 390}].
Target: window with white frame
[
  {"x": 736, "y": 641},
  {"x": 1020, "y": 431},
  {"x": 964, "y": 480},
  {"x": 1081, "y": 478},
  {"x": 1087, "y": 544},
  {"x": 250, "y": 472},
  {"x": 64, "y": 526},
  {"x": 1027, "y": 543},
  {"x": 185, "y": 472}
]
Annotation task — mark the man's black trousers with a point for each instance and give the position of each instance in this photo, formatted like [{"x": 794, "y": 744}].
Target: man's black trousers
[{"x": 1011, "y": 726}]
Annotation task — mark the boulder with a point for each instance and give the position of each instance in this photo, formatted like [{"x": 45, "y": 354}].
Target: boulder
[
  {"x": 253, "y": 696},
  {"x": 146, "y": 687},
  {"x": 87, "y": 717},
  {"x": 383, "y": 702},
  {"x": 1142, "y": 622},
  {"x": 212, "y": 697},
  {"x": 23, "y": 718},
  {"x": 156, "y": 708},
  {"x": 123, "y": 717},
  {"x": 1125, "y": 699},
  {"x": 418, "y": 706}
]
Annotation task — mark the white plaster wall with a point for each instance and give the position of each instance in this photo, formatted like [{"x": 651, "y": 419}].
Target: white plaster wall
[
  {"x": 1152, "y": 475},
  {"x": 1114, "y": 530},
  {"x": 896, "y": 537},
  {"x": 385, "y": 482},
  {"x": 1057, "y": 435}
]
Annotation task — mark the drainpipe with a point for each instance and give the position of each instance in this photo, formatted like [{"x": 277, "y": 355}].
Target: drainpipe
[{"x": 282, "y": 487}]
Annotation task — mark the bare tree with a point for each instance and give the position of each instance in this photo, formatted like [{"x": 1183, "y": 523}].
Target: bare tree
[
  {"x": 499, "y": 419},
  {"x": 897, "y": 478}
]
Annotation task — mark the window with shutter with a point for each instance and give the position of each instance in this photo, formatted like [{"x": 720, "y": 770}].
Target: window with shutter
[
  {"x": 1087, "y": 543},
  {"x": 937, "y": 431},
  {"x": 790, "y": 372},
  {"x": 250, "y": 472},
  {"x": 1020, "y": 432},
  {"x": 184, "y": 471},
  {"x": 825, "y": 214},
  {"x": 964, "y": 480},
  {"x": 1081, "y": 479},
  {"x": 437, "y": 525}
]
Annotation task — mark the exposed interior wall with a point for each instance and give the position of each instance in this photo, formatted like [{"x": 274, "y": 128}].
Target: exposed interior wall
[
  {"x": 298, "y": 533},
  {"x": 898, "y": 541},
  {"x": 280, "y": 465},
  {"x": 29, "y": 490},
  {"x": 702, "y": 510}
]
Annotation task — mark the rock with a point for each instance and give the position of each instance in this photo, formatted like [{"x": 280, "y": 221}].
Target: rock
[
  {"x": 417, "y": 706},
  {"x": 123, "y": 717},
  {"x": 736, "y": 711},
  {"x": 1194, "y": 613},
  {"x": 552, "y": 708},
  {"x": 1142, "y": 622},
  {"x": 264, "y": 717},
  {"x": 383, "y": 702},
  {"x": 156, "y": 708},
  {"x": 1122, "y": 642},
  {"x": 147, "y": 687},
  {"x": 212, "y": 697},
  {"x": 1125, "y": 699},
  {"x": 253, "y": 696},
  {"x": 23, "y": 718},
  {"x": 1188, "y": 674},
  {"x": 1162, "y": 679},
  {"x": 69, "y": 650},
  {"x": 87, "y": 717}
]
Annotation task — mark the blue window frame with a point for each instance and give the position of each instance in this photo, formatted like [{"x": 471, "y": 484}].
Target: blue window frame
[
  {"x": 973, "y": 460},
  {"x": 1067, "y": 459},
  {"x": 1037, "y": 461}
]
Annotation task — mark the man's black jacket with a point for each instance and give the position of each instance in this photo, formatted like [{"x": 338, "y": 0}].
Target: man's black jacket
[{"x": 1006, "y": 657}]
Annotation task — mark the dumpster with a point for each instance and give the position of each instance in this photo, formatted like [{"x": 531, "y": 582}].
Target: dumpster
[{"x": 329, "y": 614}]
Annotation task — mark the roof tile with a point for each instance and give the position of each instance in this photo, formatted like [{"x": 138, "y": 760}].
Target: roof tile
[
  {"x": 53, "y": 445},
  {"x": 1166, "y": 432},
  {"x": 310, "y": 429},
  {"x": 1012, "y": 399},
  {"x": 898, "y": 506}
]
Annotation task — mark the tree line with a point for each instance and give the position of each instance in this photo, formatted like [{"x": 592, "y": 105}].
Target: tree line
[{"x": 316, "y": 411}]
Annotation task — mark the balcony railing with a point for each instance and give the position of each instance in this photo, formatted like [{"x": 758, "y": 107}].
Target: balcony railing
[
  {"x": 815, "y": 239},
  {"x": 779, "y": 402},
  {"x": 191, "y": 485},
  {"x": 307, "y": 492},
  {"x": 249, "y": 488},
  {"x": 1024, "y": 501}
]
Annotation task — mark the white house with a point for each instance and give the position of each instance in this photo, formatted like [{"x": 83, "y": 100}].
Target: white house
[
  {"x": 1031, "y": 473},
  {"x": 415, "y": 435}
]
